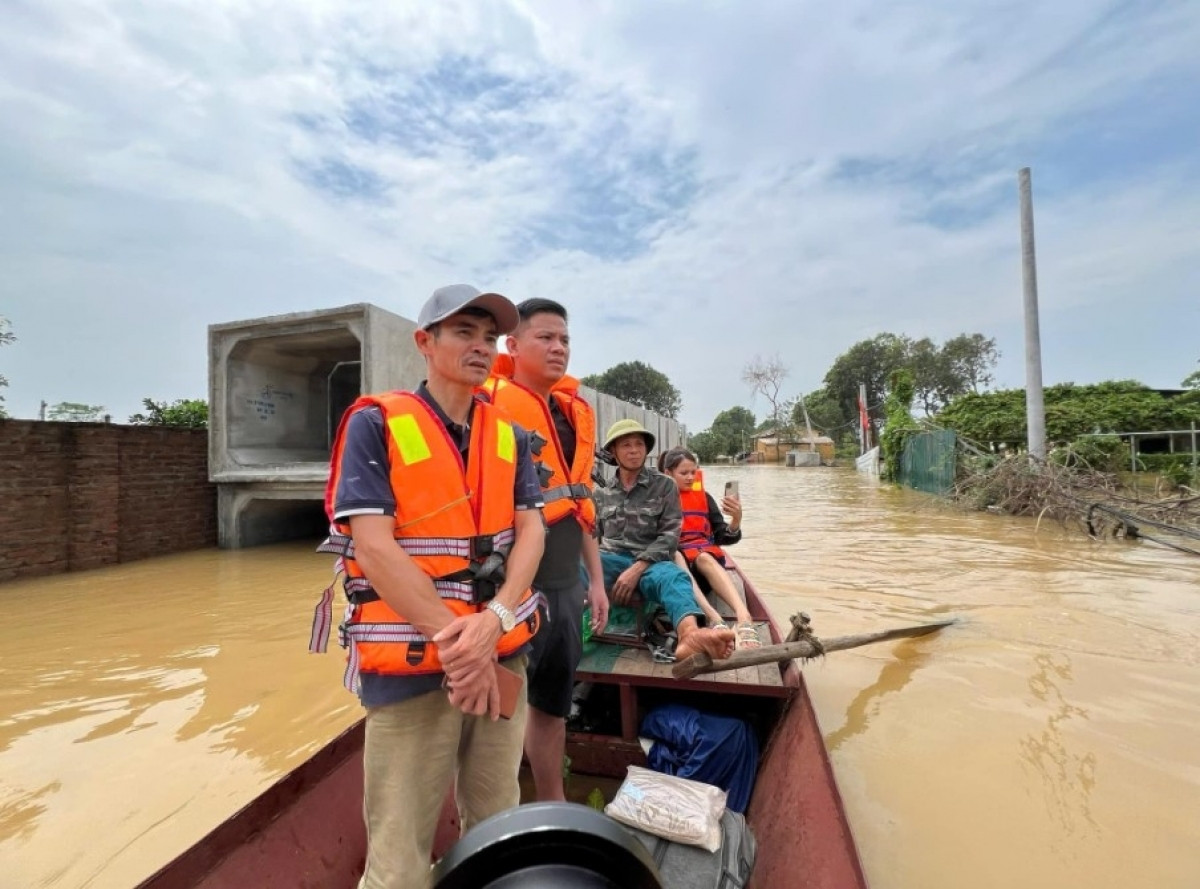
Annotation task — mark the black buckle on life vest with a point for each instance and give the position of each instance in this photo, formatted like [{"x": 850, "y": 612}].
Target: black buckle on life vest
[
  {"x": 485, "y": 571},
  {"x": 415, "y": 654},
  {"x": 361, "y": 597},
  {"x": 545, "y": 473},
  {"x": 481, "y": 546},
  {"x": 536, "y": 443}
]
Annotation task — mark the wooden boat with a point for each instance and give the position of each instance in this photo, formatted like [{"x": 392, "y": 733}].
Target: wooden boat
[{"x": 307, "y": 829}]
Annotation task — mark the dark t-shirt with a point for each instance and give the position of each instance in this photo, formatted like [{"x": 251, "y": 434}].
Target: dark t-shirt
[
  {"x": 559, "y": 568},
  {"x": 565, "y": 432},
  {"x": 365, "y": 488}
]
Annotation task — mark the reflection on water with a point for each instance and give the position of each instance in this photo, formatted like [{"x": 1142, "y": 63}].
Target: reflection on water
[
  {"x": 896, "y": 673},
  {"x": 1068, "y": 778},
  {"x": 1045, "y": 740}
]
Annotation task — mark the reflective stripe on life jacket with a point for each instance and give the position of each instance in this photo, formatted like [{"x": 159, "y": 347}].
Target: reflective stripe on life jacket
[
  {"x": 567, "y": 490},
  {"x": 696, "y": 532},
  {"x": 454, "y": 521}
]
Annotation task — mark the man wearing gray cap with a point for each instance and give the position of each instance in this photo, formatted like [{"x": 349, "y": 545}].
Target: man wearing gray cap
[{"x": 436, "y": 512}]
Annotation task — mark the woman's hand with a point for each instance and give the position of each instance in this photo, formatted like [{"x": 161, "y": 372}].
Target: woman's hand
[{"x": 732, "y": 507}]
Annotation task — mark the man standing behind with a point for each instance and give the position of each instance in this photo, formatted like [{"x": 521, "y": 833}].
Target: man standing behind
[
  {"x": 435, "y": 507},
  {"x": 638, "y": 518},
  {"x": 531, "y": 386}
]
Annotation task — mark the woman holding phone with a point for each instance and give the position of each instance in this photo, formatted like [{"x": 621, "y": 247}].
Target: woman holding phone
[{"x": 704, "y": 532}]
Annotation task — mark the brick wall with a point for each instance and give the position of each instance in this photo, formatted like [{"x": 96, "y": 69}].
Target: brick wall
[{"x": 81, "y": 495}]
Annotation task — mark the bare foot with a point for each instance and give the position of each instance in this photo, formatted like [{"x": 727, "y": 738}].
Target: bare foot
[{"x": 717, "y": 644}]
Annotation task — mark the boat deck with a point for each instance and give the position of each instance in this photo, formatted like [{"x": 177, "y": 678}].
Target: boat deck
[
  {"x": 623, "y": 664},
  {"x": 619, "y": 660},
  {"x": 630, "y": 662}
]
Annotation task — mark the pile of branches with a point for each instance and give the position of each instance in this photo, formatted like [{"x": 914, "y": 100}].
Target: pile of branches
[{"x": 1096, "y": 502}]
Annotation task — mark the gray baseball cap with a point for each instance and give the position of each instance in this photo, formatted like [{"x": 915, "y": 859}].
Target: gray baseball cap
[{"x": 453, "y": 298}]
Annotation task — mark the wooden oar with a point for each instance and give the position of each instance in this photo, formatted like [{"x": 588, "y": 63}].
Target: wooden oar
[{"x": 803, "y": 647}]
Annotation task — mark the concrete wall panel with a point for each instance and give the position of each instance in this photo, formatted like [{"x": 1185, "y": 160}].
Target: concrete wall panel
[{"x": 278, "y": 387}]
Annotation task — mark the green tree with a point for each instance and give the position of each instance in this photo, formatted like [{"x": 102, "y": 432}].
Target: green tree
[
  {"x": 825, "y": 412},
  {"x": 900, "y": 425},
  {"x": 969, "y": 360},
  {"x": 638, "y": 383},
  {"x": 929, "y": 371},
  {"x": 868, "y": 362},
  {"x": 74, "y": 412},
  {"x": 940, "y": 373},
  {"x": 1192, "y": 380},
  {"x": 6, "y": 337},
  {"x": 189, "y": 412},
  {"x": 706, "y": 446},
  {"x": 732, "y": 430},
  {"x": 1192, "y": 383}
]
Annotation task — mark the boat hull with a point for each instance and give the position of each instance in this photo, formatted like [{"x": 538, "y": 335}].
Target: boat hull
[{"x": 307, "y": 829}]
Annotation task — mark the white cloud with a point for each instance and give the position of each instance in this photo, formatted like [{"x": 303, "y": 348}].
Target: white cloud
[{"x": 738, "y": 178}]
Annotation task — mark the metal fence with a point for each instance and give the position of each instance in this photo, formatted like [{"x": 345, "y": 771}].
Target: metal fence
[
  {"x": 929, "y": 461},
  {"x": 1180, "y": 443}
]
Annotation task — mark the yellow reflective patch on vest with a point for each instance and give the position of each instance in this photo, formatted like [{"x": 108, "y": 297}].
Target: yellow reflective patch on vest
[
  {"x": 506, "y": 442},
  {"x": 409, "y": 439}
]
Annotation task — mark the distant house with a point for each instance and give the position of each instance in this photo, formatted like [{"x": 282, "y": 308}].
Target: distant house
[{"x": 772, "y": 445}]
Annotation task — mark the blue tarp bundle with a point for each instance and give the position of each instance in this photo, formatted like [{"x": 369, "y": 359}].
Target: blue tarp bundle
[{"x": 717, "y": 750}]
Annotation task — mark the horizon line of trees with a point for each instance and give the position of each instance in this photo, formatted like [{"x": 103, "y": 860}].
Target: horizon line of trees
[
  {"x": 191, "y": 413},
  {"x": 940, "y": 373},
  {"x": 947, "y": 382}
]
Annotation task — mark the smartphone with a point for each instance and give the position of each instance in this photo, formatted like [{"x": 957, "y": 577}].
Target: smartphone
[{"x": 731, "y": 490}]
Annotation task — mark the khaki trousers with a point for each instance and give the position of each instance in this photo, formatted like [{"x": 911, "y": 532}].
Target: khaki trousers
[{"x": 414, "y": 751}]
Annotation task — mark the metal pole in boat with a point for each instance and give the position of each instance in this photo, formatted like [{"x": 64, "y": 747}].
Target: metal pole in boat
[{"x": 1035, "y": 408}]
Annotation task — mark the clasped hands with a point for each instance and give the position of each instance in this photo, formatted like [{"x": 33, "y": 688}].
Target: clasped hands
[{"x": 467, "y": 648}]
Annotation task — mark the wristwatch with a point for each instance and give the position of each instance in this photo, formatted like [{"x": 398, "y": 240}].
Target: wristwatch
[{"x": 508, "y": 620}]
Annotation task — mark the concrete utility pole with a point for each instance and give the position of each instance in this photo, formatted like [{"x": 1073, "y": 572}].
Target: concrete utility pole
[
  {"x": 1035, "y": 408},
  {"x": 864, "y": 421},
  {"x": 808, "y": 425}
]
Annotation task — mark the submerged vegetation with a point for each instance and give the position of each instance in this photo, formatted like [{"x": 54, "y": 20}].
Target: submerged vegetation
[
  {"x": 1067, "y": 489},
  {"x": 900, "y": 425}
]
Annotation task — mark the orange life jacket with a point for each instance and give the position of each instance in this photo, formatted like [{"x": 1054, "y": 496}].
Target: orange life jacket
[
  {"x": 566, "y": 490},
  {"x": 696, "y": 532},
  {"x": 449, "y": 519}
]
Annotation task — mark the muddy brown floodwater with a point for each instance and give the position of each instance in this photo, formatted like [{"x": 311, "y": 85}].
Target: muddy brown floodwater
[{"x": 1048, "y": 739}]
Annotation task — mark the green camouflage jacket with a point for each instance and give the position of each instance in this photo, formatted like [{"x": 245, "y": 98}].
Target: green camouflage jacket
[{"x": 644, "y": 521}]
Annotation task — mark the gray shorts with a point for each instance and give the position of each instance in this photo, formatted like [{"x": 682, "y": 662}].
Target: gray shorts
[{"x": 555, "y": 651}]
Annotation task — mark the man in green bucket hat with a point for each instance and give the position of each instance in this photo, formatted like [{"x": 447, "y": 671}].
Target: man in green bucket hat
[{"x": 638, "y": 518}]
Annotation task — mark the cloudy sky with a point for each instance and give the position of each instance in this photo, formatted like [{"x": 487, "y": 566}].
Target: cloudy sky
[{"x": 698, "y": 182}]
